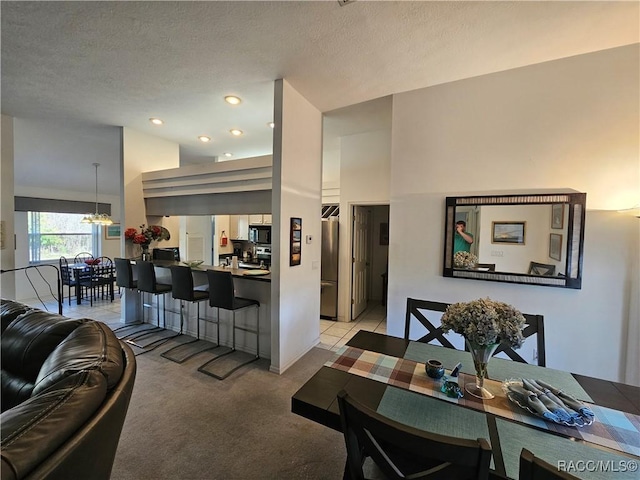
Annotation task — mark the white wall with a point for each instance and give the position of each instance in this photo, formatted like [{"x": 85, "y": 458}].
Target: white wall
[
  {"x": 570, "y": 123},
  {"x": 7, "y": 205},
  {"x": 364, "y": 180},
  {"x": 297, "y": 189},
  {"x": 142, "y": 153}
]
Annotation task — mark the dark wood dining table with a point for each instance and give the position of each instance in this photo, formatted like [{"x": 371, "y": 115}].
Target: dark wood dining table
[{"x": 316, "y": 401}]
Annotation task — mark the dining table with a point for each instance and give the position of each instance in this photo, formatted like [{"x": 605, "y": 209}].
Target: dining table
[{"x": 387, "y": 374}]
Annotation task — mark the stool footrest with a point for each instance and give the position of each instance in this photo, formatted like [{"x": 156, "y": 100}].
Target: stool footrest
[
  {"x": 184, "y": 351},
  {"x": 228, "y": 359}
]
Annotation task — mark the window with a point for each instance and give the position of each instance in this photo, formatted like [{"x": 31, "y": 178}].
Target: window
[{"x": 52, "y": 235}]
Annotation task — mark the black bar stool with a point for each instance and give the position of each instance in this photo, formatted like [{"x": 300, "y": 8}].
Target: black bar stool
[
  {"x": 125, "y": 279},
  {"x": 183, "y": 290},
  {"x": 147, "y": 284},
  {"x": 222, "y": 295}
]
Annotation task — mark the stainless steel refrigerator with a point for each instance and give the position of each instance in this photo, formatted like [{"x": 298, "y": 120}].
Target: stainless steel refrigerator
[{"x": 329, "y": 269}]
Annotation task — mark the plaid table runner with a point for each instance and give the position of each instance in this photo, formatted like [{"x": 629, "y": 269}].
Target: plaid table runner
[{"x": 612, "y": 428}]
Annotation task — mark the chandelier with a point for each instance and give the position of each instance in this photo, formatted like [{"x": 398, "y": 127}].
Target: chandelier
[{"x": 97, "y": 218}]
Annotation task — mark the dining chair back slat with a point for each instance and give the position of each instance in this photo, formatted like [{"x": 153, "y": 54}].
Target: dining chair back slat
[
  {"x": 401, "y": 451},
  {"x": 534, "y": 325}
]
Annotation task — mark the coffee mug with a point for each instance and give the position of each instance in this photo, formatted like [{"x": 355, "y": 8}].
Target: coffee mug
[{"x": 434, "y": 369}]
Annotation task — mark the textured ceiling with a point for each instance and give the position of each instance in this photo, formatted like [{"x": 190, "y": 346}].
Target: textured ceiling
[{"x": 119, "y": 63}]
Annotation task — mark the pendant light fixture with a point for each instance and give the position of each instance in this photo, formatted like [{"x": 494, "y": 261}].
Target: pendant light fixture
[{"x": 97, "y": 218}]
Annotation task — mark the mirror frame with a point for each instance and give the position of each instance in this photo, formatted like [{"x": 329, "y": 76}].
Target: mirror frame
[{"x": 574, "y": 249}]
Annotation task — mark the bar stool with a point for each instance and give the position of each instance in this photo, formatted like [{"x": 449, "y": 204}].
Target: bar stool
[
  {"x": 147, "y": 284},
  {"x": 124, "y": 279},
  {"x": 182, "y": 289},
  {"x": 222, "y": 296}
]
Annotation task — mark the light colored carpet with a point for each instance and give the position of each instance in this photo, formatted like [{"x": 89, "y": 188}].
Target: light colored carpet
[{"x": 183, "y": 424}]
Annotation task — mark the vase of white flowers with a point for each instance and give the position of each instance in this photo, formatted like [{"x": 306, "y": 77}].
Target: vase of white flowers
[
  {"x": 485, "y": 324},
  {"x": 464, "y": 259}
]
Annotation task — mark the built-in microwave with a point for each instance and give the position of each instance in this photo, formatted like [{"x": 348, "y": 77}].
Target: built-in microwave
[{"x": 260, "y": 234}]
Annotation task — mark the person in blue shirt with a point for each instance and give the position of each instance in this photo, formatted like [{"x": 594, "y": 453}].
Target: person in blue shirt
[{"x": 462, "y": 240}]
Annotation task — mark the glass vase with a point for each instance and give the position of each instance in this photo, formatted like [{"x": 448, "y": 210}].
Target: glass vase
[
  {"x": 146, "y": 256},
  {"x": 481, "y": 355}
]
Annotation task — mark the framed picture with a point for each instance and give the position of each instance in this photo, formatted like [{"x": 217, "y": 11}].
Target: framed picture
[
  {"x": 557, "y": 215},
  {"x": 112, "y": 232},
  {"x": 295, "y": 249},
  {"x": 555, "y": 246},
  {"x": 511, "y": 233}
]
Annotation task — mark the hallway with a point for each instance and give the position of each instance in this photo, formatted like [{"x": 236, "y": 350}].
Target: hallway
[{"x": 334, "y": 335}]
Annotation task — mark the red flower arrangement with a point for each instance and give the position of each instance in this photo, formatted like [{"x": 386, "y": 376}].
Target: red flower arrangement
[{"x": 146, "y": 235}]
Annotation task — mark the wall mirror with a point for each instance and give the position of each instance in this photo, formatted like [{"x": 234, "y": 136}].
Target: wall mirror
[{"x": 532, "y": 239}]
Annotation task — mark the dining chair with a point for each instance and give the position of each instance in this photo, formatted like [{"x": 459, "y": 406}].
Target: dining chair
[
  {"x": 67, "y": 277},
  {"x": 222, "y": 296},
  {"x": 182, "y": 288},
  {"x": 536, "y": 268},
  {"x": 418, "y": 309},
  {"x": 534, "y": 468},
  {"x": 104, "y": 276},
  {"x": 83, "y": 257},
  {"x": 401, "y": 451}
]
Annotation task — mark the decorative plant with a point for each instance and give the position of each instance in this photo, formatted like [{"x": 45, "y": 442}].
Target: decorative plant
[
  {"x": 485, "y": 322},
  {"x": 146, "y": 235},
  {"x": 464, "y": 259}
]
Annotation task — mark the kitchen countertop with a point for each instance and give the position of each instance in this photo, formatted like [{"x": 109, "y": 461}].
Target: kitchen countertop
[{"x": 238, "y": 273}]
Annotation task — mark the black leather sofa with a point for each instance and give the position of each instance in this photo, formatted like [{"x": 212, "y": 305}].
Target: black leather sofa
[{"x": 66, "y": 386}]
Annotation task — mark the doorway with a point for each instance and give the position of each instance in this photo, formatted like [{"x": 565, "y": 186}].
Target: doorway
[{"x": 370, "y": 256}]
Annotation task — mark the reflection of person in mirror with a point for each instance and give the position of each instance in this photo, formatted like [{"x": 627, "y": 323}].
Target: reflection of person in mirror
[{"x": 463, "y": 240}]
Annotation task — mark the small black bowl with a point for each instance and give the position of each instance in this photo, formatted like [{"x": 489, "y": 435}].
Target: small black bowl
[{"x": 434, "y": 369}]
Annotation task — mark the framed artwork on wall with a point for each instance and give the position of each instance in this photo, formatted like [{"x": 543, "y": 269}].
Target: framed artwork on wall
[
  {"x": 557, "y": 215},
  {"x": 112, "y": 232},
  {"x": 511, "y": 233},
  {"x": 555, "y": 246},
  {"x": 295, "y": 249}
]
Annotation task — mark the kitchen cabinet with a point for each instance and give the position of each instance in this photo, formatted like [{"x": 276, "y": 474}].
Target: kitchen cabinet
[
  {"x": 239, "y": 227},
  {"x": 260, "y": 219}
]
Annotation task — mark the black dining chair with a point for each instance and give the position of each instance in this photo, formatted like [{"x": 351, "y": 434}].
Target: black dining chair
[
  {"x": 182, "y": 288},
  {"x": 536, "y": 268},
  {"x": 83, "y": 257},
  {"x": 534, "y": 468},
  {"x": 67, "y": 277},
  {"x": 104, "y": 277},
  {"x": 222, "y": 296},
  {"x": 402, "y": 452},
  {"x": 420, "y": 310}
]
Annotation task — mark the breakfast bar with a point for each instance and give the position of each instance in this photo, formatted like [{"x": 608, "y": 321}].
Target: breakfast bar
[{"x": 248, "y": 282}]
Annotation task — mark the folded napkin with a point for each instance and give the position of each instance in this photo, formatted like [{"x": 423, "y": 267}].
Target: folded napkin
[
  {"x": 569, "y": 401},
  {"x": 556, "y": 407},
  {"x": 530, "y": 399}
]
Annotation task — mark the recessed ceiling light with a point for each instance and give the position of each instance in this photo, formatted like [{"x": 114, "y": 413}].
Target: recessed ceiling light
[
  {"x": 204, "y": 138},
  {"x": 156, "y": 121},
  {"x": 272, "y": 124},
  {"x": 236, "y": 132},
  {"x": 232, "y": 100},
  {"x": 227, "y": 154}
]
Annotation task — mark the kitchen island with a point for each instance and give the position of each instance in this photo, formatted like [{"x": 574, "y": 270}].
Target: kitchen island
[{"x": 248, "y": 283}]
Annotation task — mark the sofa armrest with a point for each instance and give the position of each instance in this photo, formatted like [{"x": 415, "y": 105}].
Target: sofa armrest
[{"x": 33, "y": 430}]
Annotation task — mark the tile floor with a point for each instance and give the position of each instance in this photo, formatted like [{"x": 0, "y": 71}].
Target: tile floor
[{"x": 333, "y": 334}]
